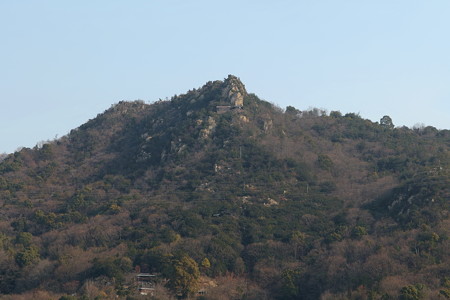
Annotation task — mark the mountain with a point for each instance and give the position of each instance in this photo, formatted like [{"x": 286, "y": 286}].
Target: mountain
[{"x": 219, "y": 192}]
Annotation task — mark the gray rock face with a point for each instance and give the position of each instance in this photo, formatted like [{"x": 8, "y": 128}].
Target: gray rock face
[{"x": 234, "y": 90}]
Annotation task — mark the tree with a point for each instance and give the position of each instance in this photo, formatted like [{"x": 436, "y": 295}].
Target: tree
[
  {"x": 205, "y": 265},
  {"x": 445, "y": 291},
  {"x": 27, "y": 256},
  {"x": 184, "y": 276},
  {"x": 297, "y": 242},
  {"x": 9, "y": 272},
  {"x": 335, "y": 114},
  {"x": 411, "y": 292},
  {"x": 24, "y": 238},
  {"x": 289, "y": 284},
  {"x": 325, "y": 162},
  {"x": 386, "y": 122},
  {"x": 111, "y": 267},
  {"x": 292, "y": 110},
  {"x": 358, "y": 232}
]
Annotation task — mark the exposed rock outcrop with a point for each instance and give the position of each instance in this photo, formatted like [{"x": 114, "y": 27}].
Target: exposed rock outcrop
[{"x": 234, "y": 90}]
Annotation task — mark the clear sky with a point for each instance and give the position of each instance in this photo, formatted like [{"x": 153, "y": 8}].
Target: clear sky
[{"x": 63, "y": 62}]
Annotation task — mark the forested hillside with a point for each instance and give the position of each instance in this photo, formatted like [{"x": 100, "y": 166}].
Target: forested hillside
[{"x": 219, "y": 192}]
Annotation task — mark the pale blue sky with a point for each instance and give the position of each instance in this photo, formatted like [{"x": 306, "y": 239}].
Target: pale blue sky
[{"x": 63, "y": 62}]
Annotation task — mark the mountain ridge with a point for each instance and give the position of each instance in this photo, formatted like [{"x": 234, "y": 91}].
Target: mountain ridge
[{"x": 289, "y": 200}]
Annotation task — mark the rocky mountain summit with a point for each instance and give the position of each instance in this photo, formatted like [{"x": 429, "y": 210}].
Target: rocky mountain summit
[{"x": 234, "y": 90}]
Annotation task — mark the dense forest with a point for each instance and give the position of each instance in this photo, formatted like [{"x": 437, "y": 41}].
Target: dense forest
[{"x": 222, "y": 195}]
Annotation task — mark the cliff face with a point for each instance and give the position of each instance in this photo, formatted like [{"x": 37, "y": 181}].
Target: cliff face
[{"x": 234, "y": 91}]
